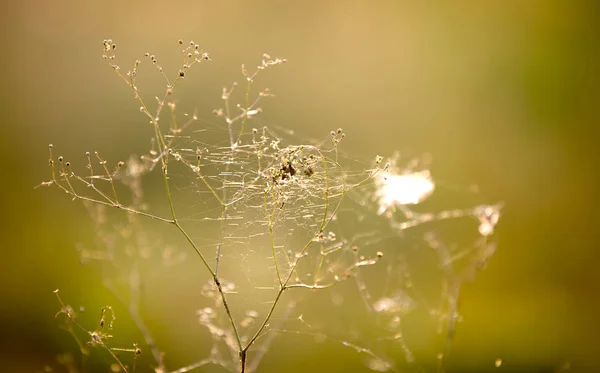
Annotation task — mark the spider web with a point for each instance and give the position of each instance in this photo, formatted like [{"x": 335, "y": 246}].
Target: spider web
[{"x": 354, "y": 217}]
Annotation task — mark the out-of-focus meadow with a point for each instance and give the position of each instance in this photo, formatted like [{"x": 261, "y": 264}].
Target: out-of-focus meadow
[{"x": 500, "y": 94}]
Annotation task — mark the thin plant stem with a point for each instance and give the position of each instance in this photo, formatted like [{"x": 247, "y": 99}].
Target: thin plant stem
[
  {"x": 245, "y": 118},
  {"x": 201, "y": 256}
]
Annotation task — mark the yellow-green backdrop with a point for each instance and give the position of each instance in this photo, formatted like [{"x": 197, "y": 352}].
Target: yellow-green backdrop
[{"x": 504, "y": 94}]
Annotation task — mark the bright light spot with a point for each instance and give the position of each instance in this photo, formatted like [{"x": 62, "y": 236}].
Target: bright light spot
[
  {"x": 384, "y": 305},
  {"x": 488, "y": 218},
  {"x": 403, "y": 189},
  {"x": 398, "y": 303}
]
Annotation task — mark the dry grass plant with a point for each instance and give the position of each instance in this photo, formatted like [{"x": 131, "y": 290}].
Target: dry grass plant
[{"x": 257, "y": 190}]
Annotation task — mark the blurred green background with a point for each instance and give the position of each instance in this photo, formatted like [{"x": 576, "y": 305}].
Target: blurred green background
[{"x": 503, "y": 94}]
